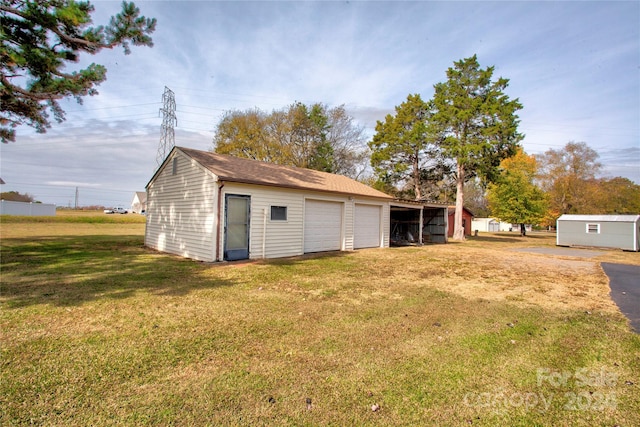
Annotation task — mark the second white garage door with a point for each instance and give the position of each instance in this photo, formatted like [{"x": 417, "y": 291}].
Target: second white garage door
[
  {"x": 322, "y": 226},
  {"x": 366, "y": 227}
]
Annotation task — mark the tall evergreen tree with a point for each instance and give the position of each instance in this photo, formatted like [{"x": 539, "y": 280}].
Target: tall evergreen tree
[
  {"x": 478, "y": 125},
  {"x": 39, "y": 39},
  {"x": 403, "y": 146}
]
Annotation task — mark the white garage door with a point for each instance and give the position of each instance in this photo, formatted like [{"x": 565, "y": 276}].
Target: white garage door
[
  {"x": 322, "y": 226},
  {"x": 366, "y": 227}
]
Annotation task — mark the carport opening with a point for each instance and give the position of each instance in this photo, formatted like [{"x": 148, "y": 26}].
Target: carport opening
[
  {"x": 434, "y": 225},
  {"x": 405, "y": 226}
]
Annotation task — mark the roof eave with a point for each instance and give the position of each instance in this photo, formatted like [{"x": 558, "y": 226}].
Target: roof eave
[{"x": 300, "y": 187}]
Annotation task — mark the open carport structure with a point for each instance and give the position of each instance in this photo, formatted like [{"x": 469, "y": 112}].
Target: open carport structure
[{"x": 414, "y": 223}]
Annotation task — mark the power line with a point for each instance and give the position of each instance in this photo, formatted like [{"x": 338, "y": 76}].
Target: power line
[
  {"x": 71, "y": 186},
  {"x": 119, "y": 107}
]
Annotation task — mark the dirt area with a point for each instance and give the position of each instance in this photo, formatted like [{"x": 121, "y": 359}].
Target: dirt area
[
  {"x": 572, "y": 252},
  {"x": 539, "y": 279}
]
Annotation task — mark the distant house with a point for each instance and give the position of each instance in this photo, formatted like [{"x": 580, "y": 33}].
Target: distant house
[
  {"x": 467, "y": 217},
  {"x": 213, "y": 207},
  {"x": 606, "y": 231},
  {"x": 139, "y": 202}
]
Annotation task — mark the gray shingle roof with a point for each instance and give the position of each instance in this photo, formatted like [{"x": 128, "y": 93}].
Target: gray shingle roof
[{"x": 235, "y": 169}]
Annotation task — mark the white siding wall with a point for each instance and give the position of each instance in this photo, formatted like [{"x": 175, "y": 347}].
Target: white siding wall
[
  {"x": 349, "y": 211},
  {"x": 386, "y": 224},
  {"x": 182, "y": 209},
  {"x": 286, "y": 238},
  {"x": 480, "y": 224}
]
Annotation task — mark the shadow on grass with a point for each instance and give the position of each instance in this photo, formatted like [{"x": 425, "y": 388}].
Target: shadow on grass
[
  {"x": 72, "y": 270},
  {"x": 317, "y": 256}
]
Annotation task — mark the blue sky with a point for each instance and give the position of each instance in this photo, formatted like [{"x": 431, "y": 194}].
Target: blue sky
[{"x": 575, "y": 67}]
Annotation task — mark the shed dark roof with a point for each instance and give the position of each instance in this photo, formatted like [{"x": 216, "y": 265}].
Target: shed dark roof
[{"x": 235, "y": 169}]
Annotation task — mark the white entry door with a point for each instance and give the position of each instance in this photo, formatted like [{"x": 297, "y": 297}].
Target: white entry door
[
  {"x": 367, "y": 226},
  {"x": 322, "y": 226}
]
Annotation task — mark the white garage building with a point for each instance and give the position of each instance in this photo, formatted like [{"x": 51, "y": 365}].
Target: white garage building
[{"x": 213, "y": 207}]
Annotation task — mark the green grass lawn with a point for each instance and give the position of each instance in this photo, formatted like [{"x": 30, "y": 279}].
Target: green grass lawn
[{"x": 98, "y": 330}]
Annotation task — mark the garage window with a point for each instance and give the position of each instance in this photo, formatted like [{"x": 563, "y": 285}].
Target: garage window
[
  {"x": 278, "y": 213},
  {"x": 593, "y": 228}
]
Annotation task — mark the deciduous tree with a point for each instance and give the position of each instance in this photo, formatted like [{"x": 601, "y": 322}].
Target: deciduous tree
[
  {"x": 247, "y": 134},
  {"x": 315, "y": 137},
  {"x": 615, "y": 196},
  {"x": 514, "y": 197},
  {"x": 39, "y": 40},
  {"x": 478, "y": 125},
  {"x": 475, "y": 198},
  {"x": 567, "y": 175}
]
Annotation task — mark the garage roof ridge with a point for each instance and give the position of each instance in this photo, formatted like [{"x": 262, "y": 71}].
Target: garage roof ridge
[{"x": 249, "y": 171}]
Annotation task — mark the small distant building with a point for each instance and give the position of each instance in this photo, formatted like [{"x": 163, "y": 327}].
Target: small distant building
[
  {"x": 8, "y": 207},
  {"x": 467, "y": 218},
  {"x": 605, "y": 231},
  {"x": 492, "y": 225},
  {"x": 139, "y": 202}
]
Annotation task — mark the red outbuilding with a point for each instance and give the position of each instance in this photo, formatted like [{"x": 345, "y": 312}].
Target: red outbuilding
[{"x": 467, "y": 216}]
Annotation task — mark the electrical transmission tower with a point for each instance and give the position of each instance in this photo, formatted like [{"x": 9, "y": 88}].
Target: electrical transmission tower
[{"x": 169, "y": 120}]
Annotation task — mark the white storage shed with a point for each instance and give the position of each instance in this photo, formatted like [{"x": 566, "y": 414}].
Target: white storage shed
[
  {"x": 213, "y": 207},
  {"x": 605, "y": 231}
]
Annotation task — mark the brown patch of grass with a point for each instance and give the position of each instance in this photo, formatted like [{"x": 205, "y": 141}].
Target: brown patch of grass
[{"x": 500, "y": 274}]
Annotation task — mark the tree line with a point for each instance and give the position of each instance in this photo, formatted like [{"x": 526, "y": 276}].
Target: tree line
[{"x": 538, "y": 189}]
